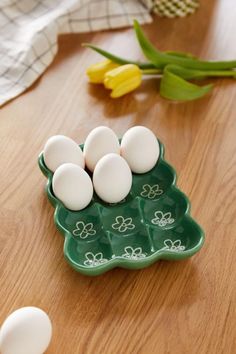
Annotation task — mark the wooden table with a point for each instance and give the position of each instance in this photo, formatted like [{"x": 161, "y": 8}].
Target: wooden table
[{"x": 177, "y": 307}]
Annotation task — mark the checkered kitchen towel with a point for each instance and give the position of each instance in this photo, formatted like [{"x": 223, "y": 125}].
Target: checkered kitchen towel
[{"x": 29, "y": 31}]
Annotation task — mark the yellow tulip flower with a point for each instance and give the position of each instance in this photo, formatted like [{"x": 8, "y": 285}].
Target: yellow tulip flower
[
  {"x": 123, "y": 79},
  {"x": 97, "y": 71}
]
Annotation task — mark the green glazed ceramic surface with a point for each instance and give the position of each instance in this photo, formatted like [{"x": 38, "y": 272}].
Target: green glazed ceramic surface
[{"x": 152, "y": 223}]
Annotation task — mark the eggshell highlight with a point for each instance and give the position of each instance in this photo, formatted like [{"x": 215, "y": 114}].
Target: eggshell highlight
[
  {"x": 112, "y": 178},
  {"x": 72, "y": 186},
  {"x": 60, "y": 149},
  {"x": 100, "y": 142},
  {"x": 140, "y": 148},
  {"x": 26, "y": 331}
]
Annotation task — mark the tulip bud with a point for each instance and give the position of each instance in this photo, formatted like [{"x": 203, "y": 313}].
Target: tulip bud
[
  {"x": 123, "y": 79},
  {"x": 97, "y": 71}
]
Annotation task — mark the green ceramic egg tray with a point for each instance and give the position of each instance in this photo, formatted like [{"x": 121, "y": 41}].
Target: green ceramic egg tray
[{"x": 152, "y": 223}]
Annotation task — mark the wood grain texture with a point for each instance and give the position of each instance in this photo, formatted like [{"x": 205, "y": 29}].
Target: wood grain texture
[{"x": 177, "y": 307}]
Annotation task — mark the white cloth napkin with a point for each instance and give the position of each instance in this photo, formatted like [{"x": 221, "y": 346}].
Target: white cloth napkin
[{"x": 29, "y": 31}]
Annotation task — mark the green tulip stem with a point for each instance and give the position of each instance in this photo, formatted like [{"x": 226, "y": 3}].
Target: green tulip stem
[{"x": 152, "y": 72}]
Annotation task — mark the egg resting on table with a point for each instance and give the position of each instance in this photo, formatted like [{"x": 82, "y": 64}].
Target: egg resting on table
[{"x": 26, "y": 331}]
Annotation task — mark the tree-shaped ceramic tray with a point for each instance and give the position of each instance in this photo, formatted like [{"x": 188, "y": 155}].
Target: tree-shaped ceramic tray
[{"x": 152, "y": 223}]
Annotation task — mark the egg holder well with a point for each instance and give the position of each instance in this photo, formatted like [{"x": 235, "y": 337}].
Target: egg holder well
[{"x": 153, "y": 222}]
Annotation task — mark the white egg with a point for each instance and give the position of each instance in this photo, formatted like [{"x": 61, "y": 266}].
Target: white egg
[
  {"x": 72, "y": 186},
  {"x": 140, "y": 148},
  {"x": 26, "y": 331},
  {"x": 112, "y": 178},
  {"x": 99, "y": 142},
  {"x": 60, "y": 149}
]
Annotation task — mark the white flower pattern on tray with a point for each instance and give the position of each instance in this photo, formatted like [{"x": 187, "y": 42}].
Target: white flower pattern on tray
[
  {"x": 162, "y": 219},
  {"x": 94, "y": 260},
  {"x": 151, "y": 191},
  {"x": 133, "y": 253},
  {"x": 174, "y": 246},
  {"x": 84, "y": 230},
  {"x": 123, "y": 224}
]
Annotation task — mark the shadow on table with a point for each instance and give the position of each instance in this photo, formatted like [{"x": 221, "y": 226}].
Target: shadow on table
[
  {"x": 144, "y": 100},
  {"x": 136, "y": 294}
]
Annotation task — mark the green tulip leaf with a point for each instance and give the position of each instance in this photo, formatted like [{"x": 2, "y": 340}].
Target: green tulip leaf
[
  {"x": 117, "y": 59},
  {"x": 161, "y": 59},
  {"x": 180, "y": 54},
  {"x": 176, "y": 88},
  {"x": 189, "y": 74}
]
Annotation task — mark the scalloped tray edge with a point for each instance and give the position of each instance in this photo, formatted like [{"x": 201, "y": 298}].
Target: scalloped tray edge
[{"x": 119, "y": 261}]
